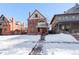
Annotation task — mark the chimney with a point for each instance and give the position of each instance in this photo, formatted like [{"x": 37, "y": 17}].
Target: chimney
[{"x": 12, "y": 19}]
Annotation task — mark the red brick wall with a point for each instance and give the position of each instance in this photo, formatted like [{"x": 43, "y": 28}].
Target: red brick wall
[
  {"x": 32, "y": 26},
  {"x": 6, "y": 28}
]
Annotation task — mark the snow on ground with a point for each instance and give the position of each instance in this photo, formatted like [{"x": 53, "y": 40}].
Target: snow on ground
[
  {"x": 60, "y": 38},
  {"x": 58, "y": 51},
  {"x": 59, "y": 44},
  {"x": 17, "y": 44},
  {"x": 7, "y": 37},
  {"x": 53, "y": 44},
  {"x": 61, "y": 48}
]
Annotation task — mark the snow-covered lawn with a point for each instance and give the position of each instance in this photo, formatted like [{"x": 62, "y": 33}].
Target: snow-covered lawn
[
  {"x": 53, "y": 44},
  {"x": 17, "y": 44},
  {"x": 61, "y": 44},
  {"x": 60, "y": 38}
]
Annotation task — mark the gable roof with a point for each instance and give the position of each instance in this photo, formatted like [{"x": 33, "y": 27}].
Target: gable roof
[
  {"x": 3, "y": 18},
  {"x": 38, "y": 12},
  {"x": 74, "y": 9}
]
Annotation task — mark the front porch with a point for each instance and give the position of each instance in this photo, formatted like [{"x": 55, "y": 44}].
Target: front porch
[{"x": 71, "y": 27}]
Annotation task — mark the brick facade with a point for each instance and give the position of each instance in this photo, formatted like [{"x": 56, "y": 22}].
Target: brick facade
[
  {"x": 33, "y": 20},
  {"x": 10, "y": 26}
]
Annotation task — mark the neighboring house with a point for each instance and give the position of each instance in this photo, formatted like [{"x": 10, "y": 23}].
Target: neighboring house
[
  {"x": 26, "y": 29},
  {"x": 10, "y": 26},
  {"x": 16, "y": 27},
  {"x": 19, "y": 28},
  {"x": 67, "y": 22},
  {"x": 4, "y": 25},
  {"x": 33, "y": 20}
]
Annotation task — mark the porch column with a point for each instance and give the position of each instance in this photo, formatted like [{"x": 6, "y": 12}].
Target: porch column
[
  {"x": 58, "y": 28},
  {"x": 71, "y": 27}
]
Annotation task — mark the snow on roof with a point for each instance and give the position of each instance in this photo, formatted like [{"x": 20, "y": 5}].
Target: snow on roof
[{"x": 60, "y": 38}]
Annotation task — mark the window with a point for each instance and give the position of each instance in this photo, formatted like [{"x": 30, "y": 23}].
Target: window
[
  {"x": 59, "y": 17},
  {"x": 0, "y": 24},
  {"x": 41, "y": 21},
  {"x": 77, "y": 8},
  {"x": 5, "y": 29},
  {"x": 73, "y": 17},
  {"x": 77, "y": 17},
  {"x": 36, "y": 15},
  {"x": 66, "y": 17}
]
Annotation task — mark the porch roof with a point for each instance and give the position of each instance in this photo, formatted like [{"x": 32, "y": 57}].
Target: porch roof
[
  {"x": 65, "y": 19},
  {"x": 42, "y": 25}
]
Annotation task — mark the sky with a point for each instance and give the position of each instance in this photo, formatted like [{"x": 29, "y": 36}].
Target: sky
[{"x": 20, "y": 11}]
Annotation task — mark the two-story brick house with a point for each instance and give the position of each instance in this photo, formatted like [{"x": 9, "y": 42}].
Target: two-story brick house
[
  {"x": 34, "y": 19},
  {"x": 4, "y": 25}
]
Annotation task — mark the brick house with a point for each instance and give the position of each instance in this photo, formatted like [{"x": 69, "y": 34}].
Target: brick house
[
  {"x": 33, "y": 20},
  {"x": 16, "y": 27},
  {"x": 10, "y": 26},
  {"x": 66, "y": 22},
  {"x": 4, "y": 25}
]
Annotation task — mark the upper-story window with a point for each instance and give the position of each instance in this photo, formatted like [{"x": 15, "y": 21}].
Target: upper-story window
[
  {"x": 77, "y": 17},
  {"x": 73, "y": 17},
  {"x": 67, "y": 18},
  {"x": 41, "y": 21},
  {"x": 36, "y": 15},
  {"x": 59, "y": 17}
]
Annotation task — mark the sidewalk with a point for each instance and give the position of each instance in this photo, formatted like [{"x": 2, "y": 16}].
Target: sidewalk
[{"x": 38, "y": 48}]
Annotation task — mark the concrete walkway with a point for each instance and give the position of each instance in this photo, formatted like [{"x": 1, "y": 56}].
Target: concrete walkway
[{"x": 38, "y": 48}]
